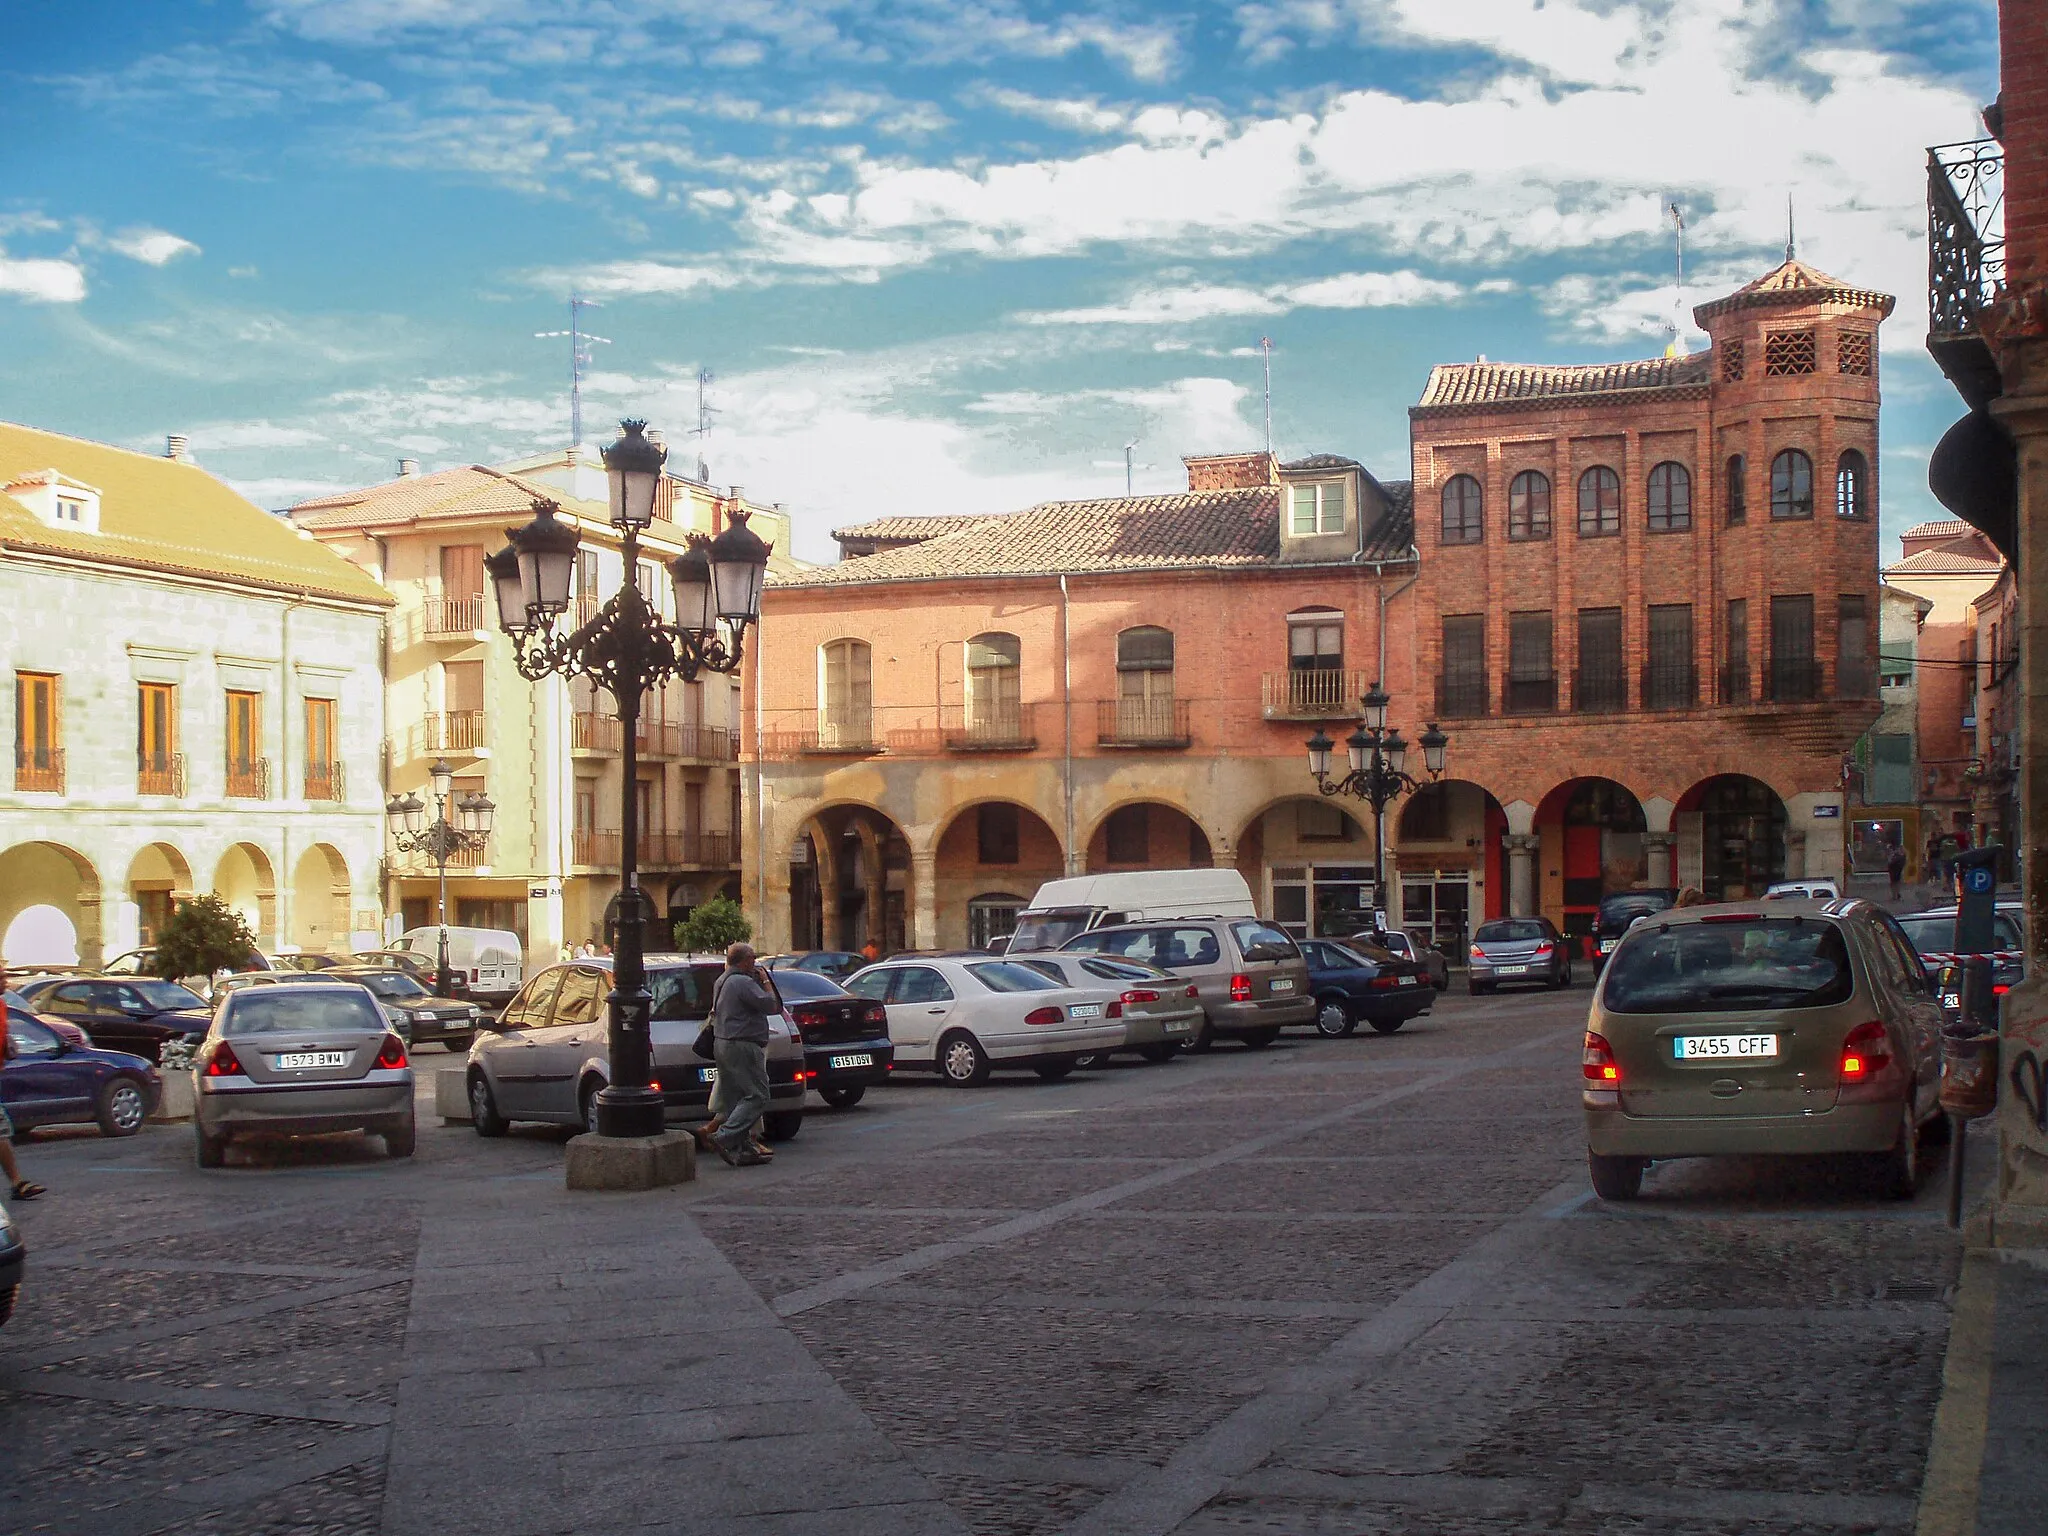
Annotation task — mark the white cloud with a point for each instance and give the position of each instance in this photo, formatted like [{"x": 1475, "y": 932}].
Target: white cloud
[
  {"x": 42, "y": 280},
  {"x": 1081, "y": 116},
  {"x": 153, "y": 247},
  {"x": 1211, "y": 301}
]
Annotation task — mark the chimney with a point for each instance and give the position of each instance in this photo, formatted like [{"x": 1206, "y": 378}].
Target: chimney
[
  {"x": 407, "y": 468},
  {"x": 178, "y": 446},
  {"x": 734, "y": 493},
  {"x": 656, "y": 436}
]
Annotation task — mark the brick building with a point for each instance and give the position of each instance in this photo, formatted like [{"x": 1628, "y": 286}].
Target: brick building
[{"x": 1641, "y": 597}]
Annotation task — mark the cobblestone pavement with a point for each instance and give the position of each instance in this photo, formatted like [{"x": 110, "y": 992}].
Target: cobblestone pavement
[{"x": 1353, "y": 1287}]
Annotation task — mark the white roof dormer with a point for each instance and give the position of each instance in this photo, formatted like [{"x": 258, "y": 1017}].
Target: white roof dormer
[{"x": 58, "y": 500}]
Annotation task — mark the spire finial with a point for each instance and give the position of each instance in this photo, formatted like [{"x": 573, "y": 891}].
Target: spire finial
[{"x": 1791, "y": 237}]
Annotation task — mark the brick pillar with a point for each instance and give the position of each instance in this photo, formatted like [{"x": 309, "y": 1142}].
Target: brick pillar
[{"x": 1522, "y": 850}]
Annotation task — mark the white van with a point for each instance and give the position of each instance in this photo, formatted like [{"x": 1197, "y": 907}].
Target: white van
[
  {"x": 1063, "y": 908},
  {"x": 487, "y": 962}
]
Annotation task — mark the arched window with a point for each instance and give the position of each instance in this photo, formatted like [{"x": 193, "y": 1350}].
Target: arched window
[
  {"x": 1144, "y": 685},
  {"x": 1738, "y": 490},
  {"x": 1529, "y": 505},
  {"x": 846, "y": 706},
  {"x": 995, "y": 686},
  {"x": 1852, "y": 485},
  {"x": 1791, "y": 485},
  {"x": 1464, "y": 518},
  {"x": 1670, "y": 498},
  {"x": 1599, "y": 502}
]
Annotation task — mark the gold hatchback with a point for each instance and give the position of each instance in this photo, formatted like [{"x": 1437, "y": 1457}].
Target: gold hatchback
[{"x": 1780, "y": 1028}]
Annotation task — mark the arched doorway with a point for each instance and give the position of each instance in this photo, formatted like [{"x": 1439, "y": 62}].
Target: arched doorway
[
  {"x": 1731, "y": 836},
  {"x": 986, "y": 852},
  {"x": 320, "y": 901},
  {"x": 850, "y": 881},
  {"x": 1148, "y": 834},
  {"x": 158, "y": 879},
  {"x": 1308, "y": 860},
  {"x": 245, "y": 880},
  {"x": 1590, "y": 841},
  {"x": 49, "y": 906},
  {"x": 1449, "y": 852}
]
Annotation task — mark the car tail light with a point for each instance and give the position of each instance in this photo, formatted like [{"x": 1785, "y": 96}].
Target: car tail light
[
  {"x": 1192, "y": 990},
  {"x": 1383, "y": 983},
  {"x": 1115, "y": 1010},
  {"x": 875, "y": 1013},
  {"x": 1542, "y": 950},
  {"x": 392, "y": 1054},
  {"x": 223, "y": 1063},
  {"x": 652, "y": 1083},
  {"x": 2000, "y": 988},
  {"x": 808, "y": 1016},
  {"x": 1240, "y": 989},
  {"x": 475, "y": 977},
  {"x": 1733, "y": 917},
  {"x": 1044, "y": 1016},
  {"x": 1478, "y": 953},
  {"x": 1139, "y": 995},
  {"x": 1598, "y": 1059},
  {"x": 1866, "y": 1050}
]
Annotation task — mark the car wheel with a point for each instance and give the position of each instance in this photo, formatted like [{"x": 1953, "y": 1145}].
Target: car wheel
[
  {"x": 483, "y": 1107},
  {"x": 1333, "y": 1019},
  {"x": 783, "y": 1124},
  {"x": 962, "y": 1061},
  {"x": 1387, "y": 1026},
  {"x": 1165, "y": 1051},
  {"x": 1478, "y": 988},
  {"x": 843, "y": 1098},
  {"x": 458, "y": 1045},
  {"x": 1898, "y": 1171},
  {"x": 1616, "y": 1178},
  {"x": 1259, "y": 1039},
  {"x": 1053, "y": 1071},
  {"x": 586, "y": 1105},
  {"x": 7, "y": 1296},
  {"x": 212, "y": 1151},
  {"x": 122, "y": 1107},
  {"x": 399, "y": 1142}
]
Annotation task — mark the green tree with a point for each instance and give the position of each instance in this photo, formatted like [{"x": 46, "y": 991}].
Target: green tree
[
  {"x": 710, "y": 928},
  {"x": 204, "y": 935}
]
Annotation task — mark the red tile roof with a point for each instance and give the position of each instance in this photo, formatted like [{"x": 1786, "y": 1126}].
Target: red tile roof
[
  {"x": 1794, "y": 283},
  {"x": 1467, "y": 385},
  {"x": 469, "y": 491},
  {"x": 1938, "y": 528},
  {"x": 913, "y": 528},
  {"x": 1943, "y": 562}
]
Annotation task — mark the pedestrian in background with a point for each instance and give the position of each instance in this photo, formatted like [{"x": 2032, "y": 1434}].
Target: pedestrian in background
[
  {"x": 871, "y": 951},
  {"x": 741, "y": 1007},
  {"x": 1895, "y": 866}
]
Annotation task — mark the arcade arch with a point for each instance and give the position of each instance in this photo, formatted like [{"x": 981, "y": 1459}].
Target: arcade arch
[
  {"x": 986, "y": 853},
  {"x": 321, "y": 900},
  {"x": 246, "y": 881},
  {"x": 1148, "y": 834},
  {"x": 49, "y": 906},
  {"x": 1592, "y": 838},
  {"x": 1449, "y": 852},
  {"x": 1733, "y": 836},
  {"x": 1308, "y": 860},
  {"x": 849, "y": 881},
  {"x": 158, "y": 879}
]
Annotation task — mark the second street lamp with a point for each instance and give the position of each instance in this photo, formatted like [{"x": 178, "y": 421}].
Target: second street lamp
[
  {"x": 440, "y": 839},
  {"x": 1378, "y": 760},
  {"x": 627, "y": 648}
]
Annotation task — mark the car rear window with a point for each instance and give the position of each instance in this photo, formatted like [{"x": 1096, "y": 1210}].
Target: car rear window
[
  {"x": 1250, "y": 935},
  {"x": 1121, "y": 970},
  {"x": 167, "y": 994},
  {"x": 683, "y": 991},
  {"x": 1512, "y": 932},
  {"x": 1619, "y": 910},
  {"x": 1937, "y": 935},
  {"x": 1001, "y": 976},
  {"x": 1736, "y": 965},
  {"x": 1049, "y": 930},
  {"x": 793, "y": 983},
  {"x": 273, "y": 1011}
]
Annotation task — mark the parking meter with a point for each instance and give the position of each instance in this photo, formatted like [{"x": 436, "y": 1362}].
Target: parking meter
[{"x": 1976, "y": 900}]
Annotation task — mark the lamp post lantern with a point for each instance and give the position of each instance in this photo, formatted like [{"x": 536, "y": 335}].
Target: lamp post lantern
[
  {"x": 440, "y": 840},
  {"x": 626, "y": 649},
  {"x": 1378, "y": 770}
]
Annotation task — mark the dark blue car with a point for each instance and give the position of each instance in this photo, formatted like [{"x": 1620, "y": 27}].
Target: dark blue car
[
  {"x": 1356, "y": 982},
  {"x": 49, "y": 1081}
]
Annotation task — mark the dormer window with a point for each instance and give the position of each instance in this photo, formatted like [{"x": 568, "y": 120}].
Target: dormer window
[
  {"x": 1315, "y": 507},
  {"x": 57, "y": 500},
  {"x": 70, "y": 510}
]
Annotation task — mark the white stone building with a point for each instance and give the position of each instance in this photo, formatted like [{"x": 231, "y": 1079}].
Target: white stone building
[{"x": 197, "y": 704}]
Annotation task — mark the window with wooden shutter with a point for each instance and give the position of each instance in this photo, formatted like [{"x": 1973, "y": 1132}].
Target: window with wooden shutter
[
  {"x": 323, "y": 766},
  {"x": 847, "y": 719},
  {"x": 156, "y": 740},
  {"x": 247, "y": 770},
  {"x": 38, "y": 734}
]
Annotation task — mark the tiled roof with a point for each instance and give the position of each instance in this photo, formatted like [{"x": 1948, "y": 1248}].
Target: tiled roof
[
  {"x": 470, "y": 491},
  {"x": 1938, "y": 528},
  {"x": 1456, "y": 385},
  {"x": 1793, "y": 283},
  {"x": 912, "y": 528},
  {"x": 1323, "y": 461},
  {"x": 1942, "y": 562},
  {"x": 1192, "y": 530},
  {"x": 167, "y": 515}
]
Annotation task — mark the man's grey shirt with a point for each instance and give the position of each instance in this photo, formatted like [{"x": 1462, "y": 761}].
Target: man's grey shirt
[{"x": 743, "y": 1009}]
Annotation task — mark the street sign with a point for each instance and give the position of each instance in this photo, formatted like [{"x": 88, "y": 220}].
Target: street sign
[{"x": 1827, "y": 813}]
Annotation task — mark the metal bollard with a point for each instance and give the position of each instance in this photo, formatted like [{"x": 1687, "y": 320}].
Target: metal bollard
[{"x": 1969, "y": 1070}]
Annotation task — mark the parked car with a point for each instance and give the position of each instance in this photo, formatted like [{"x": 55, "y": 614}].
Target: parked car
[
  {"x": 49, "y": 1081},
  {"x": 846, "y": 1042},
  {"x": 66, "y": 1031},
  {"x": 965, "y": 1017},
  {"x": 1933, "y": 935},
  {"x": 303, "y": 960},
  {"x": 1354, "y": 982},
  {"x": 1822, "y": 889},
  {"x": 1248, "y": 974},
  {"x": 1160, "y": 1011},
  {"x": 396, "y": 960},
  {"x": 138, "y": 962},
  {"x": 1397, "y": 942},
  {"x": 547, "y": 1055},
  {"x": 1761, "y": 1028},
  {"x": 300, "y": 1059},
  {"x": 488, "y": 964},
  {"x": 135, "y": 1014},
  {"x": 1518, "y": 949},
  {"x": 13, "y": 1260},
  {"x": 413, "y": 1005},
  {"x": 835, "y": 964},
  {"x": 1618, "y": 910},
  {"x": 1066, "y": 907}
]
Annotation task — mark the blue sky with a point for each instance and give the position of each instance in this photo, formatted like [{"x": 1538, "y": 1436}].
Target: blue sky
[{"x": 942, "y": 255}]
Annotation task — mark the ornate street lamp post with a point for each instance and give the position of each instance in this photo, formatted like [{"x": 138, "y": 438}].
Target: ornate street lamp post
[
  {"x": 440, "y": 840},
  {"x": 626, "y": 649},
  {"x": 1378, "y": 776}
]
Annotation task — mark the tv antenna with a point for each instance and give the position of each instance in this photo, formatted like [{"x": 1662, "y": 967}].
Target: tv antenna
[
  {"x": 580, "y": 343},
  {"x": 1129, "y": 463},
  {"x": 1266, "y": 353},
  {"x": 1791, "y": 234},
  {"x": 1677, "y": 346},
  {"x": 702, "y": 431}
]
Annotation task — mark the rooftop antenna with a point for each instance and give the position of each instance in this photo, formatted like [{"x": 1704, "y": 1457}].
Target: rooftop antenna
[
  {"x": 1130, "y": 463},
  {"x": 580, "y": 343},
  {"x": 1791, "y": 238},
  {"x": 1266, "y": 352},
  {"x": 1677, "y": 346},
  {"x": 702, "y": 432}
]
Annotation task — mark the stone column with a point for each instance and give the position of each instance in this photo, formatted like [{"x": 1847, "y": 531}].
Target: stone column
[
  {"x": 1523, "y": 848},
  {"x": 924, "y": 900},
  {"x": 1222, "y": 855},
  {"x": 1657, "y": 858}
]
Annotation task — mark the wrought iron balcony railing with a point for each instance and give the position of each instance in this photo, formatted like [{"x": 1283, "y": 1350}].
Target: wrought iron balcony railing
[
  {"x": 1965, "y": 233},
  {"x": 1139, "y": 722},
  {"x": 39, "y": 770},
  {"x": 1530, "y": 695},
  {"x": 1794, "y": 679},
  {"x": 1463, "y": 696},
  {"x": 1735, "y": 683},
  {"x": 160, "y": 773},
  {"x": 1670, "y": 685},
  {"x": 326, "y": 781},
  {"x": 1599, "y": 690},
  {"x": 248, "y": 778}
]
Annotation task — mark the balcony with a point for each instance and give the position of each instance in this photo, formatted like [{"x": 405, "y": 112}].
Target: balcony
[
  {"x": 1463, "y": 696},
  {"x": 39, "y": 770},
  {"x": 160, "y": 773},
  {"x": 1965, "y": 260},
  {"x": 452, "y": 618},
  {"x": 994, "y": 727},
  {"x": 1142, "y": 723},
  {"x": 1313, "y": 693},
  {"x": 248, "y": 778},
  {"x": 1794, "y": 679},
  {"x": 594, "y": 733},
  {"x": 1530, "y": 695},
  {"x": 1599, "y": 690},
  {"x": 455, "y": 730},
  {"x": 656, "y": 849},
  {"x": 709, "y": 743},
  {"x": 326, "y": 781},
  {"x": 657, "y": 738},
  {"x": 1673, "y": 684},
  {"x": 832, "y": 738}
]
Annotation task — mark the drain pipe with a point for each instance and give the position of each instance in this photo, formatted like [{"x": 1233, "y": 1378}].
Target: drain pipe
[{"x": 1067, "y": 711}]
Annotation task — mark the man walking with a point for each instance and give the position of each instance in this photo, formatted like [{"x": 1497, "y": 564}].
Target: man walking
[
  {"x": 740, "y": 1034},
  {"x": 1895, "y": 866}
]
